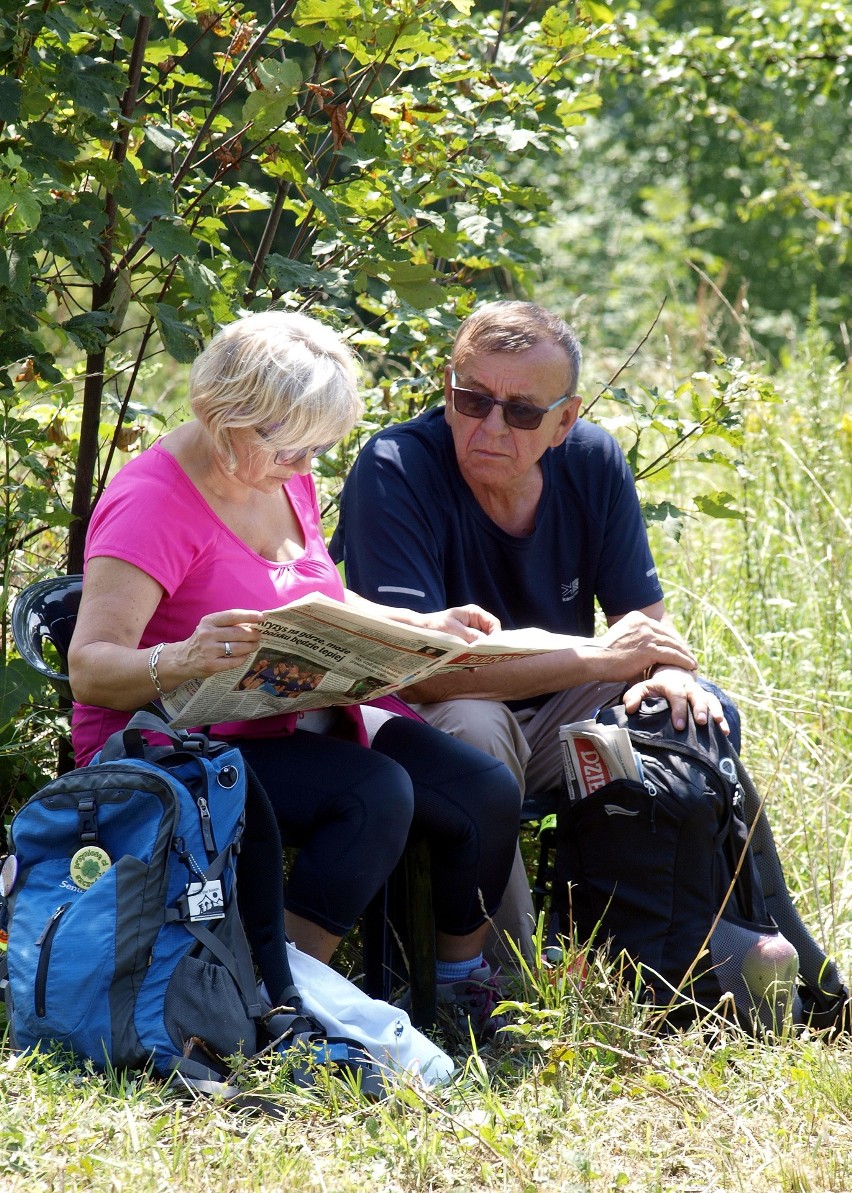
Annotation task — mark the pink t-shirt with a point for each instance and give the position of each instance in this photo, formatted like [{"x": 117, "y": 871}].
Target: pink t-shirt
[{"x": 152, "y": 515}]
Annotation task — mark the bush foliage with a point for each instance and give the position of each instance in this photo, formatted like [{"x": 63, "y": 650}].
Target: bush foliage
[{"x": 171, "y": 164}]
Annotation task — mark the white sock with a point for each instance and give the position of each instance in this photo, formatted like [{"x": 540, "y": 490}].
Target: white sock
[{"x": 457, "y": 971}]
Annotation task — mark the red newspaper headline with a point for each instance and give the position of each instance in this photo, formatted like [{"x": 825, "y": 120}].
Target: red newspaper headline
[{"x": 591, "y": 766}]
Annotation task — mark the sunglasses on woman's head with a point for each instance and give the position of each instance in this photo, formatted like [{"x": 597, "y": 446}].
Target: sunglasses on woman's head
[{"x": 524, "y": 416}]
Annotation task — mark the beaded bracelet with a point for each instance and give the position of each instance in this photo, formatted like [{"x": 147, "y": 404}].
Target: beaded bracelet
[{"x": 153, "y": 659}]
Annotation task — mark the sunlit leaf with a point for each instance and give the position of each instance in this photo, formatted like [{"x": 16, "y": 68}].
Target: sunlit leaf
[{"x": 718, "y": 505}]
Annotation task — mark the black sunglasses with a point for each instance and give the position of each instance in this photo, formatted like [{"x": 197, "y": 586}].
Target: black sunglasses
[{"x": 524, "y": 416}]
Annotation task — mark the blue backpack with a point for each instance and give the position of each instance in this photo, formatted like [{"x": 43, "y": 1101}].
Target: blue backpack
[{"x": 125, "y": 943}]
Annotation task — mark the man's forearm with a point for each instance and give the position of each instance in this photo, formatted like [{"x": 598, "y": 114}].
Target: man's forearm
[
  {"x": 629, "y": 647},
  {"x": 516, "y": 679}
]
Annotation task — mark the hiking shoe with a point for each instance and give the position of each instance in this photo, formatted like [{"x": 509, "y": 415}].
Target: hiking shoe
[{"x": 468, "y": 1005}]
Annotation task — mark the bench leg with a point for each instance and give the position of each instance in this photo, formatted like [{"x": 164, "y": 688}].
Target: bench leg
[
  {"x": 420, "y": 933},
  {"x": 404, "y": 906}
]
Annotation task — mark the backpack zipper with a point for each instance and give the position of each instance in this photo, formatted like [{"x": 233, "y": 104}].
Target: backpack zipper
[
  {"x": 206, "y": 826},
  {"x": 712, "y": 776},
  {"x": 45, "y": 943}
]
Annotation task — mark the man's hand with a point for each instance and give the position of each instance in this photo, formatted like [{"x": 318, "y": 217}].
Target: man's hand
[
  {"x": 465, "y": 621},
  {"x": 636, "y": 642},
  {"x": 680, "y": 689}
]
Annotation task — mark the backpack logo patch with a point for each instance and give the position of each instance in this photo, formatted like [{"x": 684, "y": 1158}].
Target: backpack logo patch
[{"x": 617, "y": 810}]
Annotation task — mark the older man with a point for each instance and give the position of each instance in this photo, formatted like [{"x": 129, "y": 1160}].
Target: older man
[{"x": 505, "y": 497}]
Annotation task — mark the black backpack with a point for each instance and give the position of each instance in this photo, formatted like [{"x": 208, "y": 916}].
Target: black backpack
[{"x": 679, "y": 873}]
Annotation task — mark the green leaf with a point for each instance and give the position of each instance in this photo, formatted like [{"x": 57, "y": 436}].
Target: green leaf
[
  {"x": 120, "y": 300},
  {"x": 93, "y": 84},
  {"x": 145, "y": 200},
  {"x": 560, "y": 27},
  {"x": 176, "y": 9},
  {"x": 91, "y": 330},
  {"x": 27, "y": 212},
  {"x": 10, "y": 100},
  {"x": 72, "y": 230},
  {"x": 267, "y": 107},
  {"x": 171, "y": 240},
  {"x": 415, "y": 284},
  {"x": 312, "y": 12},
  {"x": 324, "y": 203},
  {"x": 595, "y": 11},
  {"x": 718, "y": 505},
  {"x": 712, "y": 455},
  {"x": 579, "y": 103},
  {"x": 286, "y": 274},
  {"x": 670, "y": 517},
  {"x": 180, "y": 339},
  {"x": 164, "y": 137},
  {"x": 19, "y": 682},
  {"x": 160, "y": 51},
  {"x": 203, "y": 282},
  {"x": 284, "y": 76},
  {"x": 517, "y": 139}
]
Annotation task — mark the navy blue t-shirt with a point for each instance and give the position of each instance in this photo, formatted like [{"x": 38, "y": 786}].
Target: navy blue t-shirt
[{"x": 412, "y": 534}]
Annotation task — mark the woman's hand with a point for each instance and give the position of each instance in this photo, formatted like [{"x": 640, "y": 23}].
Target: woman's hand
[
  {"x": 220, "y": 642},
  {"x": 107, "y": 666}
]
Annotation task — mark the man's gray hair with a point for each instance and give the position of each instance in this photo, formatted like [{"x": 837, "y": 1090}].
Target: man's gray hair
[{"x": 512, "y": 326}]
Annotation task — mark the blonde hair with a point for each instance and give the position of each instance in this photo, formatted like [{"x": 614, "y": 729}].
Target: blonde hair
[
  {"x": 512, "y": 326},
  {"x": 284, "y": 373}
]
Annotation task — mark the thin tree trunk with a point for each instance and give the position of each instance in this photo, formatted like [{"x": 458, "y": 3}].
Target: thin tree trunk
[{"x": 93, "y": 388}]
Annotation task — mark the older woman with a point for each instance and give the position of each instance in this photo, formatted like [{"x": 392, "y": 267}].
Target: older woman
[{"x": 191, "y": 541}]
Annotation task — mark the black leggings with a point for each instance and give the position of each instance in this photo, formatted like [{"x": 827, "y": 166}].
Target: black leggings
[{"x": 349, "y": 810}]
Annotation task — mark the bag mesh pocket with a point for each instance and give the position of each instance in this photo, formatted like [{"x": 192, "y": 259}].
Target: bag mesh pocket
[{"x": 202, "y": 1001}]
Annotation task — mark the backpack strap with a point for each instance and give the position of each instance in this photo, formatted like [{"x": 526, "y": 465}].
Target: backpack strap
[
  {"x": 830, "y": 1007},
  {"x": 270, "y": 954},
  {"x": 196, "y": 1079},
  {"x": 129, "y": 742}
]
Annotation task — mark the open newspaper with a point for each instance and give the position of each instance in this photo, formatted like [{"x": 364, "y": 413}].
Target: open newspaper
[
  {"x": 318, "y": 652},
  {"x": 594, "y": 755}
]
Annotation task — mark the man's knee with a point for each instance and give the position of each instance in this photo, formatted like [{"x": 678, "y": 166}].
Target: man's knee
[{"x": 486, "y": 724}]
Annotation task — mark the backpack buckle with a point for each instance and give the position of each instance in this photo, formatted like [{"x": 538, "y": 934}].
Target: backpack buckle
[{"x": 87, "y": 815}]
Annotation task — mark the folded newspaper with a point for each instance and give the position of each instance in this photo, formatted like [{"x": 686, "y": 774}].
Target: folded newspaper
[
  {"x": 594, "y": 755},
  {"x": 318, "y": 653}
]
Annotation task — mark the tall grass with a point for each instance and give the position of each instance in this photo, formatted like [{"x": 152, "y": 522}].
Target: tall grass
[
  {"x": 767, "y": 603},
  {"x": 582, "y": 1096}
]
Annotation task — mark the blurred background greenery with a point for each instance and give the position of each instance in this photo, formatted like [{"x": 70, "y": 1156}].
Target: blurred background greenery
[{"x": 671, "y": 177}]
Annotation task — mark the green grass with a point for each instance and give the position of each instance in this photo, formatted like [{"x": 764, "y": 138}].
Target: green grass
[{"x": 582, "y": 1096}]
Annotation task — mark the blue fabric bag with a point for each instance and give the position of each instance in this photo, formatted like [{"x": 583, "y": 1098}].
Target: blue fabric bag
[{"x": 125, "y": 942}]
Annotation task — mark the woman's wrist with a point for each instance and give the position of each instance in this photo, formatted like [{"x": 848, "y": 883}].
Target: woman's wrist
[{"x": 153, "y": 668}]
